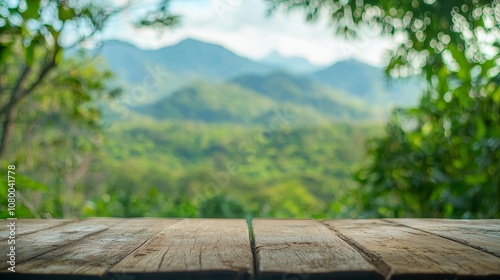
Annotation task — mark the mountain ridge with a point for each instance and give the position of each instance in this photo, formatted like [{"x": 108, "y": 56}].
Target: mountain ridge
[
  {"x": 225, "y": 103},
  {"x": 188, "y": 58},
  {"x": 346, "y": 90}
]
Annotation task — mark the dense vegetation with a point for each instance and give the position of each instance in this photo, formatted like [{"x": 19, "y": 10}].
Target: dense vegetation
[
  {"x": 145, "y": 167},
  {"x": 257, "y": 171},
  {"x": 440, "y": 158}
]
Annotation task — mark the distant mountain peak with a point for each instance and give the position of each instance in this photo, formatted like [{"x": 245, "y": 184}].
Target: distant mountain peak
[
  {"x": 191, "y": 41},
  {"x": 194, "y": 44},
  {"x": 187, "y": 58}
]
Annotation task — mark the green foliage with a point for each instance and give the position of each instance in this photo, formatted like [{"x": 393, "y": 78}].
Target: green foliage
[
  {"x": 188, "y": 169},
  {"x": 33, "y": 35},
  {"x": 229, "y": 170},
  {"x": 441, "y": 158},
  {"x": 48, "y": 109},
  {"x": 57, "y": 140},
  {"x": 147, "y": 167},
  {"x": 159, "y": 18},
  {"x": 221, "y": 206},
  {"x": 429, "y": 27}
]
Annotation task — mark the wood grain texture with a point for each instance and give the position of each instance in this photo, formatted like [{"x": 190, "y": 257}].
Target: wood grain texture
[
  {"x": 483, "y": 235},
  {"x": 305, "y": 249},
  {"x": 401, "y": 252},
  {"x": 135, "y": 249},
  {"x": 24, "y": 226},
  {"x": 91, "y": 257},
  {"x": 34, "y": 244},
  {"x": 193, "y": 249}
]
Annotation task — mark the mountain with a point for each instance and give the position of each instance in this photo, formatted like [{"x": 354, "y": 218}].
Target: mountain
[
  {"x": 188, "y": 59},
  {"x": 353, "y": 77},
  {"x": 233, "y": 103},
  {"x": 210, "y": 103},
  {"x": 177, "y": 66},
  {"x": 302, "y": 91},
  {"x": 296, "y": 65},
  {"x": 200, "y": 81},
  {"x": 369, "y": 83}
]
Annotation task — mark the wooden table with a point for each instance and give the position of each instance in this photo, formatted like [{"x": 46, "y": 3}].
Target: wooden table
[{"x": 132, "y": 249}]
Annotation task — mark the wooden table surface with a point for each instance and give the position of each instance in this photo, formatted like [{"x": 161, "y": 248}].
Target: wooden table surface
[{"x": 154, "y": 248}]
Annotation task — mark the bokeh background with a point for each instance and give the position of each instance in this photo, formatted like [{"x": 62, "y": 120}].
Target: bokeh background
[{"x": 239, "y": 108}]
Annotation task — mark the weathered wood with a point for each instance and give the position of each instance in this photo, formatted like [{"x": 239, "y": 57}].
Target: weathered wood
[
  {"x": 25, "y": 226},
  {"x": 400, "y": 252},
  {"x": 483, "y": 235},
  {"x": 193, "y": 249},
  {"x": 305, "y": 249},
  {"x": 133, "y": 249},
  {"x": 33, "y": 244},
  {"x": 91, "y": 257}
]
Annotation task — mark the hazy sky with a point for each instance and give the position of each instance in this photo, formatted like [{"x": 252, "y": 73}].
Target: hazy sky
[{"x": 243, "y": 27}]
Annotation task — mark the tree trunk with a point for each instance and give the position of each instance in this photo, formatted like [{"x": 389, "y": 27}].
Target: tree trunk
[
  {"x": 7, "y": 130},
  {"x": 9, "y": 110}
]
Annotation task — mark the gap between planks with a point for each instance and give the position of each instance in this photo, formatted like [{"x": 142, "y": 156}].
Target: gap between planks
[
  {"x": 90, "y": 255},
  {"x": 305, "y": 249},
  {"x": 26, "y": 226},
  {"x": 473, "y": 233},
  {"x": 401, "y": 252},
  {"x": 193, "y": 248},
  {"x": 54, "y": 237}
]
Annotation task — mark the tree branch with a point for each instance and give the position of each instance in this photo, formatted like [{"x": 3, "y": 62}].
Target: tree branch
[
  {"x": 21, "y": 79},
  {"x": 19, "y": 93}
]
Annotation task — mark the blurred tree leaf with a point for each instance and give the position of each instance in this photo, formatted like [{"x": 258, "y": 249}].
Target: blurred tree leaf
[{"x": 447, "y": 165}]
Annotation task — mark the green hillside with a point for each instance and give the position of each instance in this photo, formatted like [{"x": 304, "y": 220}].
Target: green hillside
[
  {"x": 210, "y": 103},
  {"x": 253, "y": 99},
  {"x": 302, "y": 91},
  {"x": 290, "y": 172},
  {"x": 232, "y": 103}
]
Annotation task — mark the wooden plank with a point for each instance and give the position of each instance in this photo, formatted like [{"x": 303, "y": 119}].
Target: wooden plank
[
  {"x": 33, "y": 244},
  {"x": 193, "y": 249},
  {"x": 483, "y": 235},
  {"x": 305, "y": 249},
  {"x": 25, "y": 226},
  {"x": 401, "y": 252},
  {"x": 91, "y": 257}
]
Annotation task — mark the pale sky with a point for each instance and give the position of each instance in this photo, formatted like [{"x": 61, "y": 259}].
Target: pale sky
[{"x": 243, "y": 27}]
